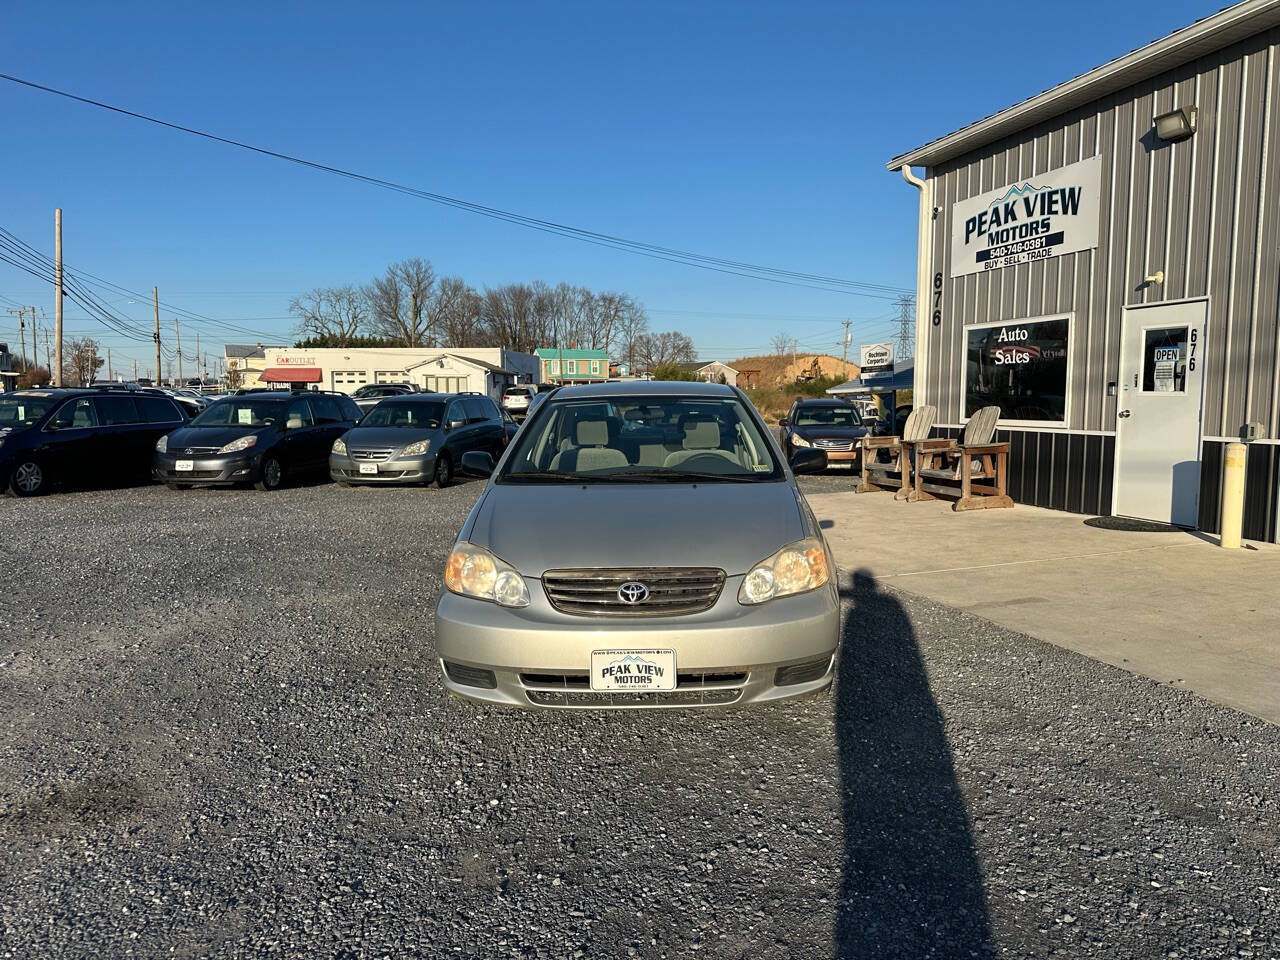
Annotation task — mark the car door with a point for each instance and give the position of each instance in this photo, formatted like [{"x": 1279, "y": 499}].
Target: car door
[
  {"x": 297, "y": 446},
  {"x": 457, "y": 438},
  {"x": 122, "y": 436},
  {"x": 73, "y": 450},
  {"x": 331, "y": 423}
]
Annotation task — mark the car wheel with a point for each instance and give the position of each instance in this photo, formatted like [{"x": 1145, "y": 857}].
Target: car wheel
[
  {"x": 271, "y": 475},
  {"x": 444, "y": 471},
  {"x": 28, "y": 479}
]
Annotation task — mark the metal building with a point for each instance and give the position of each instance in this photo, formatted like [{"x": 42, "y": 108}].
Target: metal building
[{"x": 1103, "y": 261}]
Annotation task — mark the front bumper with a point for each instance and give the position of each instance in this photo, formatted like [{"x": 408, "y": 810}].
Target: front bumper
[
  {"x": 728, "y": 655},
  {"x": 225, "y": 470},
  {"x": 419, "y": 469}
]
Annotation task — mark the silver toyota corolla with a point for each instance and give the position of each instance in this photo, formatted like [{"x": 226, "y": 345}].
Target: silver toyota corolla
[{"x": 640, "y": 545}]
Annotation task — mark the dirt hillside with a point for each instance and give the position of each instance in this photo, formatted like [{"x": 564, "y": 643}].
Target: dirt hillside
[{"x": 778, "y": 370}]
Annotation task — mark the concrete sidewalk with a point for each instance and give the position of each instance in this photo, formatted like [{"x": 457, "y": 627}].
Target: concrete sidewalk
[{"x": 1170, "y": 606}]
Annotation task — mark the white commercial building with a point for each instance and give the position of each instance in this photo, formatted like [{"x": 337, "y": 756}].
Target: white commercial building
[{"x": 485, "y": 370}]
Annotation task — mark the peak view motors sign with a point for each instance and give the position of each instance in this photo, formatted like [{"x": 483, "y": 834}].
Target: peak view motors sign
[{"x": 1044, "y": 216}]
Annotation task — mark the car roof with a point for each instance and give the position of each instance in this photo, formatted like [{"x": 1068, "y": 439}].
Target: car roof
[
  {"x": 646, "y": 388},
  {"x": 822, "y": 402}
]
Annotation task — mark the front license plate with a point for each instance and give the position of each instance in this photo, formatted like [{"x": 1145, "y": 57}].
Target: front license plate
[
  {"x": 368, "y": 468},
  {"x": 184, "y": 465},
  {"x": 633, "y": 670}
]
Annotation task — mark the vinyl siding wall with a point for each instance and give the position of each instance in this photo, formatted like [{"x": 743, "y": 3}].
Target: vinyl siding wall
[{"x": 1206, "y": 211}]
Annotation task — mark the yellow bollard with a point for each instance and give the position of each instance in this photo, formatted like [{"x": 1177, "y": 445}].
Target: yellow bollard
[{"x": 1232, "y": 496}]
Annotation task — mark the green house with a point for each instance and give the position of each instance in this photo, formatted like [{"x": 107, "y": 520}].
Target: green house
[{"x": 573, "y": 365}]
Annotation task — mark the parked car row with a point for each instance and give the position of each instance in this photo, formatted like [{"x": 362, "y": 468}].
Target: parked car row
[{"x": 88, "y": 437}]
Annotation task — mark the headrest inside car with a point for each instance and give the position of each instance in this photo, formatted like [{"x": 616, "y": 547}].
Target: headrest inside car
[
  {"x": 592, "y": 433},
  {"x": 701, "y": 435}
]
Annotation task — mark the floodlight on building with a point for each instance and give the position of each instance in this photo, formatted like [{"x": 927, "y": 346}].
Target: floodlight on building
[{"x": 1176, "y": 124}]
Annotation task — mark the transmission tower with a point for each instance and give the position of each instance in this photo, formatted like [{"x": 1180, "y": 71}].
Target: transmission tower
[{"x": 906, "y": 346}]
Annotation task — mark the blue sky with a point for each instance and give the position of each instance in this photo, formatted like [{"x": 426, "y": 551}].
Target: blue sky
[{"x": 752, "y": 131}]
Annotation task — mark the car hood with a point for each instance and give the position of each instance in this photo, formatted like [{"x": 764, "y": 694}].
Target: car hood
[
  {"x": 833, "y": 433},
  {"x": 539, "y": 527},
  {"x": 209, "y": 436},
  {"x": 393, "y": 437}
]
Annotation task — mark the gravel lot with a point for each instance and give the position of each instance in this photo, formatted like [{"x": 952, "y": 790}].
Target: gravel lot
[{"x": 222, "y": 734}]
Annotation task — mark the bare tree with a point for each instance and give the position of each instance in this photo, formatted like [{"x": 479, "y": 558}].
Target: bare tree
[
  {"x": 633, "y": 323},
  {"x": 400, "y": 301},
  {"x": 82, "y": 361},
  {"x": 453, "y": 314},
  {"x": 335, "y": 313},
  {"x": 508, "y": 317},
  {"x": 654, "y": 350},
  {"x": 781, "y": 344}
]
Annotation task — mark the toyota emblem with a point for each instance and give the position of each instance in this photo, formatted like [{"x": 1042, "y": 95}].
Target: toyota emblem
[{"x": 633, "y": 591}]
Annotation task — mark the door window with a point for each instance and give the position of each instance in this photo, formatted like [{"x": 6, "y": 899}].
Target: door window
[
  {"x": 76, "y": 414},
  {"x": 326, "y": 409},
  {"x": 157, "y": 410},
  {"x": 476, "y": 413},
  {"x": 298, "y": 415},
  {"x": 116, "y": 411},
  {"x": 1166, "y": 354},
  {"x": 455, "y": 412}
]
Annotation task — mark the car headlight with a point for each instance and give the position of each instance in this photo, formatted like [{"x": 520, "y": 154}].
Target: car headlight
[
  {"x": 796, "y": 568},
  {"x": 416, "y": 449},
  {"x": 235, "y": 446},
  {"x": 339, "y": 446},
  {"x": 162, "y": 445},
  {"x": 799, "y": 441},
  {"x": 474, "y": 572}
]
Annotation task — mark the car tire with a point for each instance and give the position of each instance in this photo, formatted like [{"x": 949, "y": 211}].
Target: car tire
[
  {"x": 271, "y": 475},
  {"x": 29, "y": 478},
  {"x": 443, "y": 474}
]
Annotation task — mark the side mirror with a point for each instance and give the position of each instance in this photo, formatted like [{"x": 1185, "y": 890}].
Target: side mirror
[
  {"x": 455, "y": 424},
  {"x": 784, "y": 422},
  {"x": 478, "y": 463},
  {"x": 808, "y": 460}
]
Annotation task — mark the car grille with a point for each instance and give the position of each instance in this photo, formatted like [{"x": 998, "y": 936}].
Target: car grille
[
  {"x": 685, "y": 682},
  {"x": 191, "y": 474},
  {"x": 596, "y": 701},
  {"x": 371, "y": 456},
  {"x": 837, "y": 445},
  {"x": 380, "y": 475},
  {"x": 673, "y": 591}
]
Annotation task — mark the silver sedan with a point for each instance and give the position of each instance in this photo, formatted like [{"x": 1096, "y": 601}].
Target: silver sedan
[{"x": 640, "y": 545}]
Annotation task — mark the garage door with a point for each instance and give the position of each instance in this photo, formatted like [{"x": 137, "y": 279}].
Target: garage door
[{"x": 348, "y": 380}]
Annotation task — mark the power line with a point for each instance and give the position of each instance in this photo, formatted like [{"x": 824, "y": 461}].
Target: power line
[{"x": 639, "y": 248}]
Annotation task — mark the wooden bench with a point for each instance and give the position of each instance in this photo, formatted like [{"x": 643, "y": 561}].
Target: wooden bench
[
  {"x": 895, "y": 472},
  {"x": 974, "y": 471}
]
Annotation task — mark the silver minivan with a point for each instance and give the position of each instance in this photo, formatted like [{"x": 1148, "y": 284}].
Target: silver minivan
[{"x": 639, "y": 545}]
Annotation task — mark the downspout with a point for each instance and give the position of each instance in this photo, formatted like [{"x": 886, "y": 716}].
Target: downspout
[{"x": 924, "y": 299}]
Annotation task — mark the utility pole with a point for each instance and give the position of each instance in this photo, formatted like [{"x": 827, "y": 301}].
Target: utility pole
[
  {"x": 155, "y": 301},
  {"x": 795, "y": 363},
  {"x": 48, "y": 360},
  {"x": 109, "y": 377},
  {"x": 198, "y": 372},
  {"x": 844, "y": 357},
  {"x": 57, "y": 293},
  {"x": 177, "y": 337},
  {"x": 135, "y": 370},
  {"x": 21, "y": 314}
]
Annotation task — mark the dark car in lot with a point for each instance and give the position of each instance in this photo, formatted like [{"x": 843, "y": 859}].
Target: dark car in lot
[
  {"x": 261, "y": 438},
  {"x": 79, "y": 437},
  {"x": 370, "y": 395},
  {"x": 832, "y": 426},
  {"x": 418, "y": 438}
]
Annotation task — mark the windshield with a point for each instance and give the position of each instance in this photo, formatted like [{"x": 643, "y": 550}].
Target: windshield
[
  {"x": 644, "y": 439},
  {"x": 827, "y": 417},
  {"x": 424, "y": 416},
  {"x": 24, "y": 410},
  {"x": 240, "y": 412}
]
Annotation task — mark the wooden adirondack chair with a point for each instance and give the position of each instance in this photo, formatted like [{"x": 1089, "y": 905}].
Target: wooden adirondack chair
[
  {"x": 895, "y": 473},
  {"x": 979, "y": 466}
]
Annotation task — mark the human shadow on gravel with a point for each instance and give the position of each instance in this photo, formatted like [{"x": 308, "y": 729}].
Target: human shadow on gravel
[{"x": 912, "y": 885}]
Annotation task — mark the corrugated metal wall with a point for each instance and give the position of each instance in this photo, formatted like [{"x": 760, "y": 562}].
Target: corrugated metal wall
[{"x": 1206, "y": 211}]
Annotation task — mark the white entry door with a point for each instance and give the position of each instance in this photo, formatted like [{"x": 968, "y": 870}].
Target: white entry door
[{"x": 1158, "y": 412}]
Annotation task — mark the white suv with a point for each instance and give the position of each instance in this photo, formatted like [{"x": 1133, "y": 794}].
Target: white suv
[{"x": 516, "y": 400}]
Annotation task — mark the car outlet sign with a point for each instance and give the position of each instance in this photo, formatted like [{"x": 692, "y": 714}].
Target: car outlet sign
[{"x": 1037, "y": 218}]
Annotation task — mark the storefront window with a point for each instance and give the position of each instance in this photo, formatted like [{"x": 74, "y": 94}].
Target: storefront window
[
  {"x": 1164, "y": 360},
  {"x": 1020, "y": 367}
]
